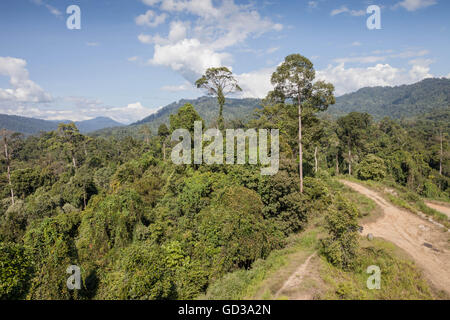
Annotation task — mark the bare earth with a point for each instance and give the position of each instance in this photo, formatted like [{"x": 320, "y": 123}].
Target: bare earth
[
  {"x": 296, "y": 279},
  {"x": 443, "y": 209},
  {"x": 425, "y": 242}
]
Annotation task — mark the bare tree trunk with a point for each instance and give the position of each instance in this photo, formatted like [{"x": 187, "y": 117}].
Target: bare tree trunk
[
  {"x": 337, "y": 163},
  {"x": 300, "y": 144},
  {"x": 74, "y": 161},
  {"x": 441, "y": 155},
  {"x": 85, "y": 150},
  {"x": 8, "y": 169},
  {"x": 164, "y": 150},
  {"x": 315, "y": 160},
  {"x": 349, "y": 159}
]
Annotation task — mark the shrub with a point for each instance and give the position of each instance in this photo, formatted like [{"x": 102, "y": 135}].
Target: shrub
[
  {"x": 342, "y": 242},
  {"x": 372, "y": 168},
  {"x": 15, "y": 271}
]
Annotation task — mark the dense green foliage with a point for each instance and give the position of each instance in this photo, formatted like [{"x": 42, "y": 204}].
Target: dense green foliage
[{"x": 140, "y": 227}]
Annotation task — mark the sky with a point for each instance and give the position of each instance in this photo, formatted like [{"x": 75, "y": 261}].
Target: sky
[{"x": 131, "y": 57}]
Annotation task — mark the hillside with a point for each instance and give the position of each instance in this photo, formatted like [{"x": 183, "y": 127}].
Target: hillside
[
  {"x": 396, "y": 102},
  {"x": 207, "y": 107},
  {"x": 27, "y": 126},
  {"x": 31, "y": 126}
]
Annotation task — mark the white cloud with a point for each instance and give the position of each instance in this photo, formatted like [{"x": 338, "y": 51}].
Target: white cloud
[
  {"x": 413, "y": 5},
  {"x": 22, "y": 88},
  {"x": 351, "y": 79},
  {"x": 256, "y": 84},
  {"x": 272, "y": 50},
  {"x": 356, "y": 44},
  {"x": 344, "y": 9},
  {"x": 50, "y": 8},
  {"x": 366, "y": 59},
  {"x": 189, "y": 57},
  {"x": 182, "y": 87},
  {"x": 193, "y": 46},
  {"x": 78, "y": 109},
  {"x": 150, "y": 19}
]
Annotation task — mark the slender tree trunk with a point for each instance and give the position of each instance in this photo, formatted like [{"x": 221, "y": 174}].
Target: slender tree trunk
[
  {"x": 315, "y": 160},
  {"x": 164, "y": 150},
  {"x": 84, "y": 198},
  {"x": 300, "y": 144},
  {"x": 8, "y": 165},
  {"x": 349, "y": 159},
  {"x": 337, "y": 163},
  {"x": 441, "y": 155},
  {"x": 74, "y": 161}
]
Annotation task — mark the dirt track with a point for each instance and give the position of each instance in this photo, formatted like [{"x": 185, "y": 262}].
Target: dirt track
[
  {"x": 426, "y": 243},
  {"x": 296, "y": 279},
  {"x": 443, "y": 209}
]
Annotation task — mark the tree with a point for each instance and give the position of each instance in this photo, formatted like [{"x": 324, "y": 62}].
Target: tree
[
  {"x": 293, "y": 82},
  {"x": 185, "y": 118},
  {"x": 352, "y": 128},
  {"x": 219, "y": 82},
  {"x": 8, "y": 135},
  {"x": 70, "y": 137},
  {"x": 16, "y": 269},
  {"x": 163, "y": 133},
  {"x": 145, "y": 130}
]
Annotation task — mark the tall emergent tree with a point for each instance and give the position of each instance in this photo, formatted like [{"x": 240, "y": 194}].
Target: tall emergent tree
[
  {"x": 219, "y": 82},
  {"x": 69, "y": 137},
  {"x": 293, "y": 82}
]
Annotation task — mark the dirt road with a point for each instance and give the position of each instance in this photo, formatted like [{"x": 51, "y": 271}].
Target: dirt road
[
  {"x": 425, "y": 242},
  {"x": 443, "y": 209}
]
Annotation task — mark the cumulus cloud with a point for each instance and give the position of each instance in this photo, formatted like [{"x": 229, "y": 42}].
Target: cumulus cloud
[
  {"x": 347, "y": 80},
  {"x": 150, "y": 19},
  {"x": 193, "y": 46},
  {"x": 22, "y": 88},
  {"x": 256, "y": 84},
  {"x": 413, "y": 5}
]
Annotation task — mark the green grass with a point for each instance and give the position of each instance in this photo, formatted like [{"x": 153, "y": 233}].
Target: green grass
[
  {"x": 401, "y": 279},
  {"x": 245, "y": 284}
]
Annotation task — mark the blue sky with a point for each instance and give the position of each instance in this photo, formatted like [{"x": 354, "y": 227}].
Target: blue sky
[{"x": 131, "y": 57}]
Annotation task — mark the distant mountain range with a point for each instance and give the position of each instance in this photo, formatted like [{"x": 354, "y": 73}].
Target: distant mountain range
[
  {"x": 31, "y": 126},
  {"x": 404, "y": 101},
  {"x": 429, "y": 96},
  {"x": 207, "y": 107}
]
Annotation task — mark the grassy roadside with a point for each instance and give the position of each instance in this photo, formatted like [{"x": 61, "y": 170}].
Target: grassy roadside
[{"x": 401, "y": 278}]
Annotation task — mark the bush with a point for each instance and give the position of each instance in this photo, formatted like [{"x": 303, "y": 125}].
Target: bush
[
  {"x": 15, "y": 271},
  {"x": 372, "y": 168},
  {"x": 342, "y": 242},
  {"x": 140, "y": 273}
]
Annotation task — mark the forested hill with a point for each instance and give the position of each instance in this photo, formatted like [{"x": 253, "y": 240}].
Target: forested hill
[
  {"x": 31, "y": 126},
  {"x": 429, "y": 97},
  {"x": 239, "y": 110},
  {"x": 404, "y": 101}
]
